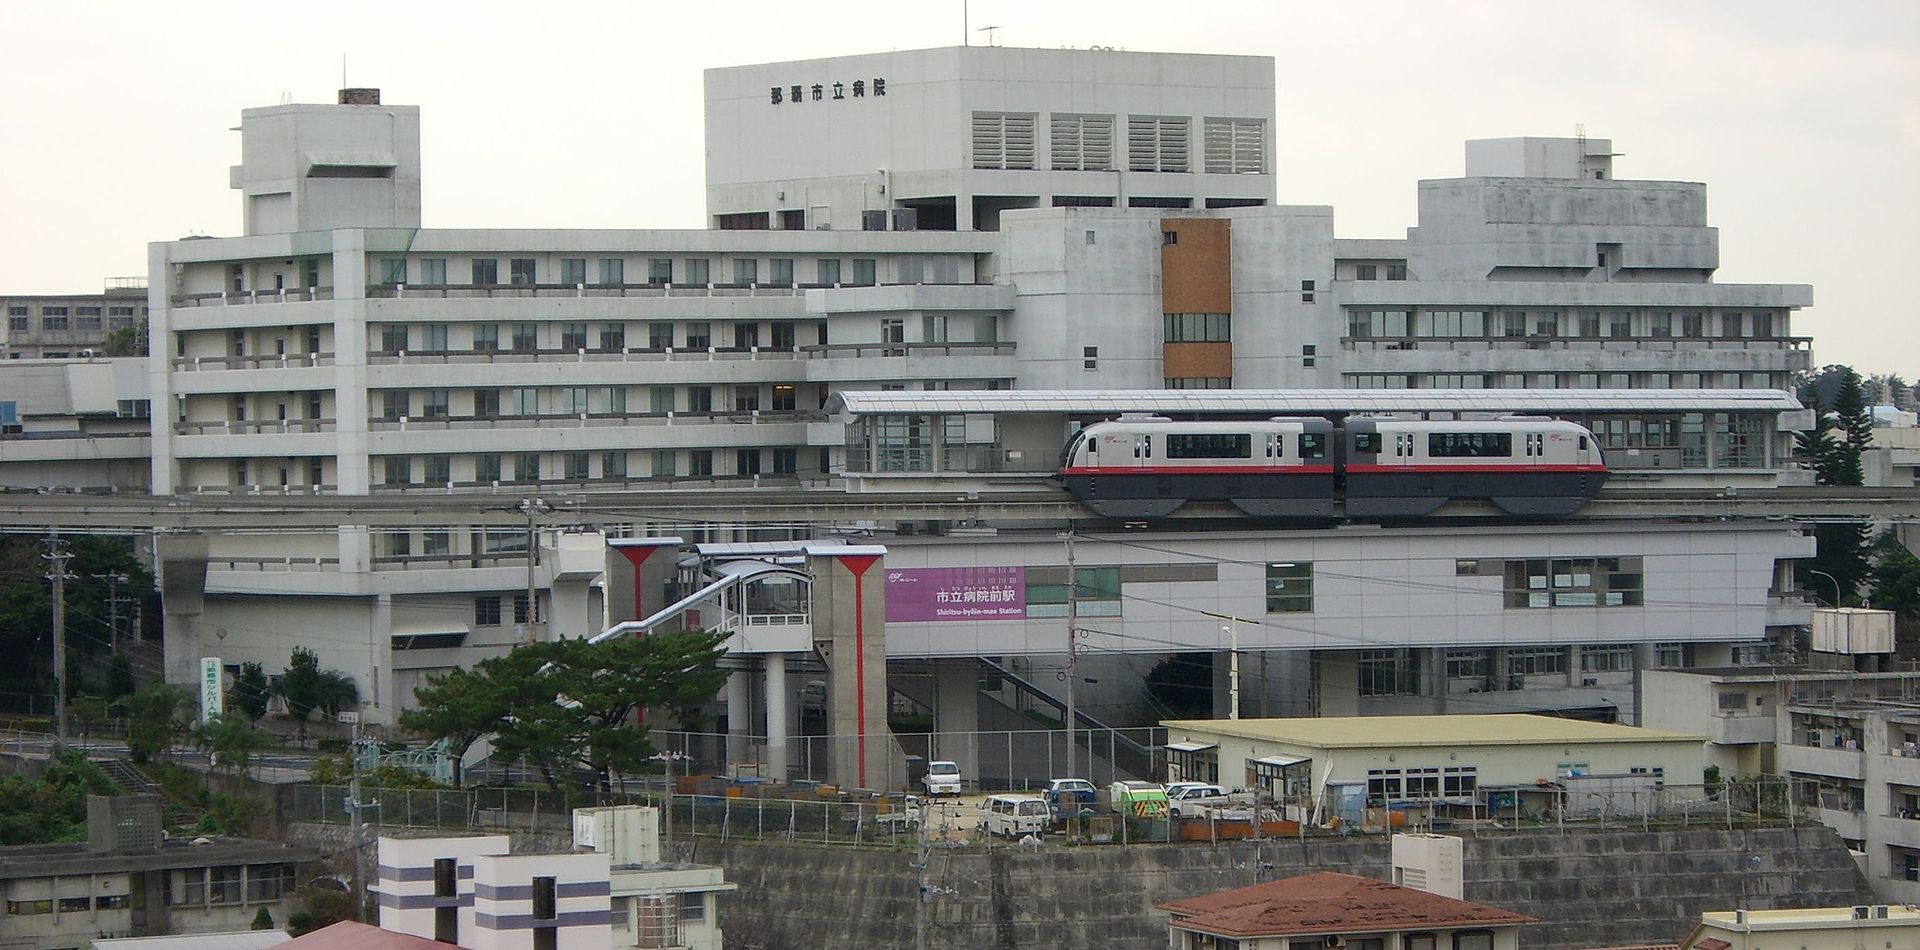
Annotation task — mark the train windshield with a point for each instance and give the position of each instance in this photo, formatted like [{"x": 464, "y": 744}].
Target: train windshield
[{"x": 1073, "y": 445}]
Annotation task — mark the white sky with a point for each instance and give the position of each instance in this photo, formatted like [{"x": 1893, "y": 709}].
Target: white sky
[{"x": 1802, "y": 118}]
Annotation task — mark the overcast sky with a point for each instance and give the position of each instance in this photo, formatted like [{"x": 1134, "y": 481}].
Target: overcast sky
[{"x": 1802, "y": 118}]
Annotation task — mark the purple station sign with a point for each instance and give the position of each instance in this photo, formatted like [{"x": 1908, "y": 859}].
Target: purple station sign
[{"x": 956, "y": 593}]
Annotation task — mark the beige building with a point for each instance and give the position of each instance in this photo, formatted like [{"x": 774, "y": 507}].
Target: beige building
[
  {"x": 1814, "y": 928},
  {"x": 1309, "y": 762}
]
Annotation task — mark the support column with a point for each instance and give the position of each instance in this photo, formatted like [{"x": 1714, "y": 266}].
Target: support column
[
  {"x": 778, "y": 699},
  {"x": 739, "y": 714},
  {"x": 850, "y": 631},
  {"x": 1437, "y": 668},
  {"x": 182, "y": 561},
  {"x": 956, "y": 713}
]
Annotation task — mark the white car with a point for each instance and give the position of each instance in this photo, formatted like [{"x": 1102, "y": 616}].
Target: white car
[
  {"x": 942, "y": 778},
  {"x": 1193, "y": 792}
]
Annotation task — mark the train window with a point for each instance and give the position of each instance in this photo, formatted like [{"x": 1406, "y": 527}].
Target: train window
[
  {"x": 1583, "y": 443},
  {"x": 1209, "y": 445},
  {"x": 1313, "y": 445},
  {"x": 1366, "y": 442},
  {"x": 1469, "y": 445}
]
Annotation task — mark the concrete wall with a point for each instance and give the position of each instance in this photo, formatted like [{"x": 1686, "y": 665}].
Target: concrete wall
[{"x": 1588, "y": 889}]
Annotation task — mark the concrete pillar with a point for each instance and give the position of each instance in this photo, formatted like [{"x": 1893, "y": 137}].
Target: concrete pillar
[
  {"x": 1645, "y": 655},
  {"x": 739, "y": 714},
  {"x": 956, "y": 713},
  {"x": 1220, "y": 692},
  {"x": 165, "y": 470},
  {"x": 378, "y": 702},
  {"x": 353, "y": 475},
  {"x": 850, "y": 631},
  {"x": 637, "y": 571},
  {"x": 1437, "y": 670},
  {"x": 182, "y": 561},
  {"x": 779, "y": 698}
]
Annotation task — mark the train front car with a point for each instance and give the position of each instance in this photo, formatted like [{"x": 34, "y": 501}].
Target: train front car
[
  {"x": 1533, "y": 467},
  {"x": 1148, "y": 467}
]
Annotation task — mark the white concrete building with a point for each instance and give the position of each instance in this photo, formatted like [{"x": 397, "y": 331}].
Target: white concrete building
[
  {"x": 948, "y": 139},
  {"x": 338, "y": 349},
  {"x": 617, "y": 893}
]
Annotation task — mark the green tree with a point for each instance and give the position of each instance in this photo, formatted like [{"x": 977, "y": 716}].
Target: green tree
[
  {"x": 127, "y": 341},
  {"x": 119, "y": 677},
  {"x": 307, "y": 687},
  {"x": 569, "y": 704},
  {"x": 157, "y": 717},
  {"x": 250, "y": 690},
  {"x": 1817, "y": 446},
  {"x": 232, "y": 740},
  {"x": 26, "y": 605},
  {"x": 52, "y": 807},
  {"x": 1895, "y": 577},
  {"x": 263, "y": 920},
  {"x": 1842, "y": 552}
]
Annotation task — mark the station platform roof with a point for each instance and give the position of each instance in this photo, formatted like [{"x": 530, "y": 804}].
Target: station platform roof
[{"x": 1280, "y": 402}]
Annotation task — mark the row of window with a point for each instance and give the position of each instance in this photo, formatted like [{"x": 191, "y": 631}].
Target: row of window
[
  {"x": 1589, "y": 324},
  {"x": 612, "y": 271},
  {"x": 1565, "y": 380},
  {"x": 531, "y": 401},
  {"x": 1197, "y": 327},
  {"x": 58, "y": 320},
  {"x": 608, "y": 337},
  {"x": 67, "y": 905},
  {"x": 1081, "y": 142},
  {"x": 1398, "y": 672},
  {"x": 488, "y": 467}
]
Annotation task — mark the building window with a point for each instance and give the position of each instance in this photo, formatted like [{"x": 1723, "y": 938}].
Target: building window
[
  {"x": 526, "y": 467},
  {"x": 576, "y": 466},
  {"x": 699, "y": 398},
  {"x": 613, "y": 271},
  {"x": 444, "y": 872},
  {"x": 573, "y": 337},
  {"x": 700, "y": 463},
  {"x": 393, "y": 270},
  {"x": 1606, "y": 658},
  {"x": 1306, "y": 291},
  {"x": 1574, "y": 582},
  {"x": 1473, "y": 940},
  {"x": 1157, "y": 143},
  {"x": 613, "y": 465},
  {"x": 1290, "y": 587},
  {"x": 54, "y": 318},
  {"x": 1466, "y": 664},
  {"x": 1003, "y": 140},
  {"x": 434, "y": 404},
  {"x": 786, "y": 461},
  {"x": 486, "y": 468},
  {"x": 746, "y": 462},
  {"x": 865, "y": 270},
  {"x": 659, "y": 335},
  {"x": 486, "y": 338},
  {"x": 1081, "y": 142},
  {"x": 1377, "y": 324},
  {"x": 746, "y": 399},
  {"x": 396, "y": 470},
  {"x": 1536, "y": 661},
  {"x": 522, "y": 609},
  {"x": 699, "y": 335},
  {"x": 1366, "y": 272},
  {"x": 223, "y": 884},
  {"x": 1197, "y": 327},
  {"x": 660, "y": 270},
  {"x": 1235, "y": 146},
  {"x": 780, "y": 272},
  {"x": 699, "y": 271},
  {"x": 1099, "y": 592},
  {"x": 1199, "y": 382},
  {"x": 526, "y": 337},
  {"x": 613, "y": 337},
  {"x": 439, "y": 469},
  {"x": 520, "y": 270},
  {"x": 663, "y": 463},
  {"x": 486, "y": 271},
  {"x": 1388, "y": 673},
  {"x": 827, "y": 271},
  {"x": 746, "y": 270},
  {"x": 1453, "y": 323},
  {"x": 1089, "y": 357},
  {"x": 1670, "y": 655},
  {"x": 573, "y": 270}
]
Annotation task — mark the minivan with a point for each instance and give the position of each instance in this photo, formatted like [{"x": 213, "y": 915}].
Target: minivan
[{"x": 1015, "y": 815}]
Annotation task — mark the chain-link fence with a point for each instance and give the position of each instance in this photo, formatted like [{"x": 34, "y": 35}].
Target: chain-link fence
[{"x": 819, "y": 816}]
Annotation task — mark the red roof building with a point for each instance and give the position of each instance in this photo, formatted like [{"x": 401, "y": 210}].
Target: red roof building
[
  {"x": 348, "y": 935},
  {"x": 1326, "y": 910}
]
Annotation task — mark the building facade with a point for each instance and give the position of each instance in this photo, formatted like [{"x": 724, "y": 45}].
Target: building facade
[{"x": 63, "y": 326}]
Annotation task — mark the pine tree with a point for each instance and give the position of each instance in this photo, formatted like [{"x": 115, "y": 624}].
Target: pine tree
[
  {"x": 1842, "y": 553},
  {"x": 1856, "y": 426},
  {"x": 1817, "y": 445}
]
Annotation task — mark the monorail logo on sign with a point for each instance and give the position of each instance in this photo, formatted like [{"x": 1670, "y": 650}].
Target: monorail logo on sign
[
  {"x": 857, "y": 89},
  {"x": 956, "y": 593}
]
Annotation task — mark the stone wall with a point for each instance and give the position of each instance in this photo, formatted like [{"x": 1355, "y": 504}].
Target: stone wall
[{"x": 1588, "y": 888}]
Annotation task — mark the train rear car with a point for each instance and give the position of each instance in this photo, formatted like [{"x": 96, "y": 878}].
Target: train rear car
[
  {"x": 1405, "y": 469},
  {"x": 1147, "y": 467}
]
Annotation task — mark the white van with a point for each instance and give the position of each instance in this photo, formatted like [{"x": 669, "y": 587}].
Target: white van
[
  {"x": 1015, "y": 815},
  {"x": 942, "y": 778}
]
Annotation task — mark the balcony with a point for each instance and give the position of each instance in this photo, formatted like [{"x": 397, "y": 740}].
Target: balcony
[
  {"x": 585, "y": 420},
  {"x": 1830, "y": 762},
  {"x": 1615, "y": 354},
  {"x": 1845, "y": 822},
  {"x": 510, "y": 291},
  {"x": 254, "y": 427},
  {"x": 704, "y": 354},
  {"x": 1743, "y": 729},
  {"x": 191, "y": 364},
  {"x": 861, "y": 362},
  {"x": 242, "y": 297}
]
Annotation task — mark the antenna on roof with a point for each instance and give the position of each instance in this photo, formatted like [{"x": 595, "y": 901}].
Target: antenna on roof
[
  {"x": 1580, "y": 146},
  {"x": 343, "y": 69},
  {"x": 966, "y": 20},
  {"x": 989, "y": 30}
]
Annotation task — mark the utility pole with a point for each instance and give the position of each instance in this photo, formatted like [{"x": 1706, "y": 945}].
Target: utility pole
[
  {"x": 114, "y": 583},
  {"x": 57, "y": 558},
  {"x": 1073, "y": 635},
  {"x": 1232, "y": 629},
  {"x": 533, "y": 508},
  {"x": 354, "y": 807}
]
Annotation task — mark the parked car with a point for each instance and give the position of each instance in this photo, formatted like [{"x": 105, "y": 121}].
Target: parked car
[
  {"x": 1069, "y": 791},
  {"x": 1015, "y": 815},
  {"x": 1139, "y": 799},
  {"x": 942, "y": 778},
  {"x": 1191, "y": 794}
]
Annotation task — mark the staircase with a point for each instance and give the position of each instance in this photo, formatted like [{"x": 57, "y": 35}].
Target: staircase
[{"x": 123, "y": 774}]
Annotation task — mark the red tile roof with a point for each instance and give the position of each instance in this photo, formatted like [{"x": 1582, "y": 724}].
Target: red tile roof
[
  {"x": 347, "y": 935},
  {"x": 1329, "y": 903},
  {"x": 1712, "y": 943}
]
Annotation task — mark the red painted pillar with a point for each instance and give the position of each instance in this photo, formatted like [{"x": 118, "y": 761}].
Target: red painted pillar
[{"x": 858, "y": 565}]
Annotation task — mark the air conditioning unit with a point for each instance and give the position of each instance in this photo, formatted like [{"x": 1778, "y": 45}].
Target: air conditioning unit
[
  {"x": 873, "y": 220},
  {"x": 1590, "y": 681}
]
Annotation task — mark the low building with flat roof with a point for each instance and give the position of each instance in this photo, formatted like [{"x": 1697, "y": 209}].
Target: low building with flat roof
[
  {"x": 1809, "y": 928},
  {"x": 1319, "y": 765}
]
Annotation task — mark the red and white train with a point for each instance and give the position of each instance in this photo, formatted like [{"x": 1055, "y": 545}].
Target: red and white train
[{"x": 1148, "y": 466}]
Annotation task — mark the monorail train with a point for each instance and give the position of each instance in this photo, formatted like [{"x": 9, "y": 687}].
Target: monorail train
[{"x": 1148, "y": 466}]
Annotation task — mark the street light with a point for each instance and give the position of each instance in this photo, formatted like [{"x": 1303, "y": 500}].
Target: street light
[{"x": 1836, "y": 584}]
